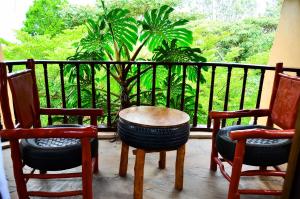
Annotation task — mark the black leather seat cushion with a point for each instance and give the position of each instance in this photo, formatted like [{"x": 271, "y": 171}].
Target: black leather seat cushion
[
  {"x": 259, "y": 152},
  {"x": 52, "y": 154}
]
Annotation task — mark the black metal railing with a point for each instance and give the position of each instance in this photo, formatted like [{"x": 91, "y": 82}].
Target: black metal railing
[{"x": 211, "y": 74}]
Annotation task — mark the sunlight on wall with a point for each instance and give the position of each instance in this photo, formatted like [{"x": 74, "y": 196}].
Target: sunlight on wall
[{"x": 286, "y": 46}]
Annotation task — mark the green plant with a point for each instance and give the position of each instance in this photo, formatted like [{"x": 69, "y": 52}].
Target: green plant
[{"x": 117, "y": 36}]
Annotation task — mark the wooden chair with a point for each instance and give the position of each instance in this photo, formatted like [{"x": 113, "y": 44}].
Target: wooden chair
[
  {"x": 257, "y": 145},
  {"x": 53, "y": 148}
]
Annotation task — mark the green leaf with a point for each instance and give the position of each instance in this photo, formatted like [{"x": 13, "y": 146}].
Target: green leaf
[
  {"x": 124, "y": 28},
  {"x": 157, "y": 27}
]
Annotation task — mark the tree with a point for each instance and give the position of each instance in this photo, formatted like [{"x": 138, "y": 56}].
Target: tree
[
  {"x": 75, "y": 15},
  {"x": 222, "y": 10},
  {"x": 44, "y": 47},
  {"x": 138, "y": 7},
  {"x": 273, "y": 8},
  {"x": 44, "y": 17},
  {"x": 117, "y": 36}
]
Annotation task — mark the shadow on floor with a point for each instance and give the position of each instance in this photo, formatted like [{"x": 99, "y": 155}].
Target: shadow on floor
[{"x": 199, "y": 182}]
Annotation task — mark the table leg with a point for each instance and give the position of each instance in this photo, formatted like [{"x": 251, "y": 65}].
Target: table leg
[
  {"x": 123, "y": 160},
  {"x": 139, "y": 174},
  {"x": 162, "y": 160},
  {"x": 179, "y": 168}
]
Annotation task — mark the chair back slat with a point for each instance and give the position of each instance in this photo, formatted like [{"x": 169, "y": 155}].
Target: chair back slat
[
  {"x": 22, "y": 87},
  {"x": 284, "y": 109}
]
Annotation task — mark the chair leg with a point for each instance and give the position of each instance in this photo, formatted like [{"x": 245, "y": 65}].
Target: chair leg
[
  {"x": 179, "y": 168},
  {"x": 87, "y": 176},
  {"x": 18, "y": 170},
  {"x": 123, "y": 160},
  {"x": 139, "y": 174},
  {"x": 214, "y": 151},
  {"x": 162, "y": 160},
  {"x": 236, "y": 170}
]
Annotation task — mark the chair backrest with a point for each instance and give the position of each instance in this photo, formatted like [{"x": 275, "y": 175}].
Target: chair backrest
[
  {"x": 25, "y": 98},
  {"x": 285, "y": 99},
  {"x": 4, "y": 100}
]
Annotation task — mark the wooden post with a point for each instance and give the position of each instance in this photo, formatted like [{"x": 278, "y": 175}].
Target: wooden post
[
  {"x": 162, "y": 160},
  {"x": 123, "y": 160},
  {"x": 179, "y": 168},
  {"x": 139, "y": 174}
]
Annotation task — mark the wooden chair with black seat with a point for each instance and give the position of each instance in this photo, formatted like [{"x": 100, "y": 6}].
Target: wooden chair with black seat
[
  {"x": 53, "y": 148},
  {"x": 257, "y": 145}
]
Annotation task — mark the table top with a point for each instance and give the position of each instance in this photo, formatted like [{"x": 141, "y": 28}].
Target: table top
[{"x": 154, "y": 116}]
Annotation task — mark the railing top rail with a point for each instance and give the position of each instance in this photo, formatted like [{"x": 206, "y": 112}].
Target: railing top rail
[{"x": 219, "y": 64}]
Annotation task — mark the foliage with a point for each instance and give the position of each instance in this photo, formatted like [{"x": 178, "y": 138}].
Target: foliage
[
  {"x": 75, "y": 15},
  {"x": 248, "y": 41},
  {"x": 250, "y": 36},
  {"x": 53, "y": 16},
  {"x": 116, "y": 35},
  {"x": 273, "y": 8},
  {"x": 138, "y": 7},
  {"x": 173, "y": 53},
  {"x": 46, "y": 47},
  {"x": 157, "y": 28},
  {"x": 117, "y": 29},
  {"x": 147, "y": 30},
  {"x": 230, "y": 10},
  {"x": 237, "y": 42},
  {"x": 44, "y": 17}
]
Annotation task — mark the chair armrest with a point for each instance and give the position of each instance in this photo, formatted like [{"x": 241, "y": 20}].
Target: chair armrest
[
  {"x": 72, "y": 112},
  {"x": 241, "y": 113},
  {"x": 78, "y": 132},
  {"x": 262, "y": 133}
]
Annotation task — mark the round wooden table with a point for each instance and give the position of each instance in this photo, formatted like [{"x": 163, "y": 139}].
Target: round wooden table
[{"x": 152, "y": 129}]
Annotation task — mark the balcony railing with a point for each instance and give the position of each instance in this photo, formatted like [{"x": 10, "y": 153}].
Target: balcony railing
[{"x": 205, "y": 98}]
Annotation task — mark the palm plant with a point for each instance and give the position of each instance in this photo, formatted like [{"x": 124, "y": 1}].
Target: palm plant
[{"x": 117, "y": 36}]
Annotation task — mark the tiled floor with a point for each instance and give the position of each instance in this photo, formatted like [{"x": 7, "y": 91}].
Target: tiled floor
[{"x": 199, "y": 182}]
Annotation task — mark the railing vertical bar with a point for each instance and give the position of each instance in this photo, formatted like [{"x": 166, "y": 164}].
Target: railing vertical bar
[
  {"x": 138, "y": 85},
  {"x": 169, "y": 85},
  {"x": 243, "y": 92},
  {"x": 153, "y": 85},
  {"x": 10, "y": 68},
  {"x": 227, "y": 92},
  {"x": 197, "y": 95},
  {"x": 211, "y": 94},
  {"x": 261, "y": 82},
  {"x": 78, "y": 90},
  {"x": 63, "y": 94},
  {"x": 183, "y": 87},
  {"x": 108, "y": 95},
  {"x": 93, "y": 85},
  {"x": 45, "y": 66}
]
